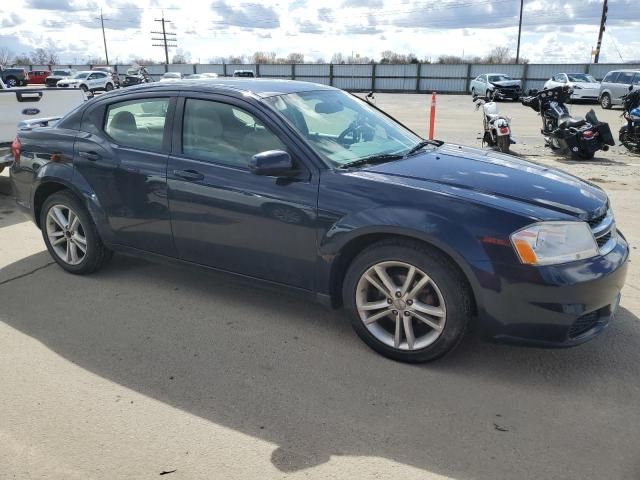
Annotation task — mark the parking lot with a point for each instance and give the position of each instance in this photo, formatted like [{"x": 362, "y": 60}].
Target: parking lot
[{"x": 146, "y": 369}]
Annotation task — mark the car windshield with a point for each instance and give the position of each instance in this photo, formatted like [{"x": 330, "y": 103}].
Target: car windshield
[
  {"x": 60, "y": 72},
  {"x": 581, "y": 77},
  {"x": 341, "y": 128},
  {"x": 82, "y": 75},
  {"x": 499, "y": 78}
]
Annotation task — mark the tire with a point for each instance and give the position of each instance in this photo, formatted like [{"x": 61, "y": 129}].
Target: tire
[
  {"x": 1, "y": 169},
  {"x": 504, "y": 143},
  {"x": 108, "y": 87},
  {"x": 84, "y": 88},
  {"x": 95, "y": 255},
  {"x": 12, "y": 82},
  {"x": 473, "y": 92},
  {"x": 489, "y": 95},
  {"x": 445, "y": 292},
  {"x": 605, "y": 101}
]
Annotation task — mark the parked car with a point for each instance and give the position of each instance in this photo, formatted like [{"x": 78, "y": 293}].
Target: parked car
[
  {"x": 111, "y": 71},
  {"x": 171, "y": 76},
  {"x": 584, "y": 86},
  {"x": 57, "y": 75},
  {"x": 38, "y": 77},
  {"x": 89, "y": 81},
  {"x": 615, "y": 84},
  {"x": 136, "y": 76},
  {"x": 14, "y": 77},
  {"x": 496, "y": 86},
  {"x": 196, "y": 76},
  {"x": 308, "y": 187},
  {"x": 244, "y": 73}
]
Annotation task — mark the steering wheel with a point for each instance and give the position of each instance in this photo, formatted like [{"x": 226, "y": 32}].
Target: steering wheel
[{"x": 354, "y": 130}]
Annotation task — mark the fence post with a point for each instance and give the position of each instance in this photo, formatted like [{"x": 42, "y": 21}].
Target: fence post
[
  {"x": 194, "y": 69},
  {"x": 418, "y": 74},
  {"x": 293, "y": 71},
  {"x": 373, "y": 77},
  {"x": 257, "y": 69},
  {"x": 525, "y": 77},
  {"x": 468, "y": 79},
  {"x": 224, "y": 69},
  {"x": 331, "y": 74}
]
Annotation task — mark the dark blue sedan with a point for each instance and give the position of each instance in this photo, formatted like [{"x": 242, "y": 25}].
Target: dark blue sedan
[{"x": 307, "y": 187}]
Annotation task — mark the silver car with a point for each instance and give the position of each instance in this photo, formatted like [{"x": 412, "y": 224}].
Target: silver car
[
  {"x": 616, "y": 84},
  {"x": 498, "y": 86}
]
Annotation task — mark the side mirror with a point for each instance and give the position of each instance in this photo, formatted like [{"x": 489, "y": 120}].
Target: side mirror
[{"x": 272, "y": 163}]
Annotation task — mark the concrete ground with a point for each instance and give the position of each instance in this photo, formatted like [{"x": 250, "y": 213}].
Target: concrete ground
[{"x": 144, "y": 369}]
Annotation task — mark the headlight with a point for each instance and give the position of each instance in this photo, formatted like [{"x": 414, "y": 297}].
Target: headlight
[{"x": 550, "y": 243}]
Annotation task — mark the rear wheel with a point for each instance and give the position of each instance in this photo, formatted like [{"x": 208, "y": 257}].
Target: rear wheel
[
  {"x": 473, "y": 92},
  {"x": 108, "y": 87},
  {"x": 504, "y": 143},
  {"x": 582, "y": 155},
  {"x": 605, "y": 101},
  {"x": 70, "y": 234},
  {"x": 12, "y": 82},
  {"x": 84, "y": 88},
  {"x": 406, "y": 301}
]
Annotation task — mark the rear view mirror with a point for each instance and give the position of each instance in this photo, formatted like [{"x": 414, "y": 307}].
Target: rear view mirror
[
  {"x": 328, "y": 107},
  {"x": 272, "y": 163}
]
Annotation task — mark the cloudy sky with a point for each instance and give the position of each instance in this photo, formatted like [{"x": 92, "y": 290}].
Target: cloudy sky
[{"x": 553, "y": 30}]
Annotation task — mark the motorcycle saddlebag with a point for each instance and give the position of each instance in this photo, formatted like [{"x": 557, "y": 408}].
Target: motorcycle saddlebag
[{"x": 602, "y": 128}]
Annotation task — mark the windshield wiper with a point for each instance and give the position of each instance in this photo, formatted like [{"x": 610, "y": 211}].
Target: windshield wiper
[
  {"x": 420, "y": 145},
  {"x": 383, "y": 157}
]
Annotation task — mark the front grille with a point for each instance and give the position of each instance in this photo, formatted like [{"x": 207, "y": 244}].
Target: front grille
[
  {"x": 583, "y": 324},
  {"x": 603, "y": 228},
  {"x": 601, "y": 241}
]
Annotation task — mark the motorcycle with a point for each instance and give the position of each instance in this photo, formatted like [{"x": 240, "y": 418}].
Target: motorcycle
[
  {"x": 564, "y": 133},
  {"x": 629, "y": 134},
  {"x": 497, "y": 128},
  {"x": 136, "y": 76}
]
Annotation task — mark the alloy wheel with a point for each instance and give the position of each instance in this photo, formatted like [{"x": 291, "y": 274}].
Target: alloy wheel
[
  {"x": 66, "y": 234},
  {"x": 400, "y": 305}
]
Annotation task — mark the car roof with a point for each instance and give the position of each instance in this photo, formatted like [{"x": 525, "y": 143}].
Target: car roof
[{"x": 261, "y": 87}]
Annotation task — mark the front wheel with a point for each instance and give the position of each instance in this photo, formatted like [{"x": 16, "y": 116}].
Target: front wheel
[
  {"x": 504, "y": 143},
  {"x": 108, "y": 87},
  {"x": 489, "y": 95},
  {"x": 84, "y": 88},
  {"x": 70, "y": 234},
  {"x": 605, "y": 101},
  {"x": 12, "y": 82},
  {"x": 407, "y": 301}
]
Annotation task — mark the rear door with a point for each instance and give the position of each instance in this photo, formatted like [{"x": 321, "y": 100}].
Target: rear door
[
  {"x": 121, "y": 153},
  {"x": 226, "y": 217},
  {"x": 621, "y": 87}
]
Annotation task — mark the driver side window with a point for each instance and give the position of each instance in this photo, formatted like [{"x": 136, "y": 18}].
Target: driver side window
[{"x": 223, "y": 133}]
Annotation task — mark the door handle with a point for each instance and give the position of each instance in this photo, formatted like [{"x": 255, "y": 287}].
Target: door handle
[
  {"x": 92, "y": 156},
  {"x": 191, "y": 175}
]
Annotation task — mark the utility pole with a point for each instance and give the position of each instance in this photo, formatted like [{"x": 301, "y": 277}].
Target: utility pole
[
  {"x": 603, "y": 21},
  {"x": 166, "y": 42},
  {"x": 519, "y": 31},
  {"x": 104, "y": 38}
]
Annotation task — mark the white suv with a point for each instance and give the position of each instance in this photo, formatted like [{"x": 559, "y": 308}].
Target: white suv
[{"x": 88, "y": 81}]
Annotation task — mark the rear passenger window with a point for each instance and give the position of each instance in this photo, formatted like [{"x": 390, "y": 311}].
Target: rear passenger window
[
  {"x": 223, "y": 133},
  {"x": 625, "y": 78},
  {"x": 636, "y": 79},
  {"x": 138, "y": 123}
]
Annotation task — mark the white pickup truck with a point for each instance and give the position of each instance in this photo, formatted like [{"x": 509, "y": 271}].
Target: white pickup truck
[{"x": 26, "y": 105}]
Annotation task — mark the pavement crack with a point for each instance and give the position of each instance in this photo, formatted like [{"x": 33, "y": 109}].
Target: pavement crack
[{"x": 26, "y": 274}]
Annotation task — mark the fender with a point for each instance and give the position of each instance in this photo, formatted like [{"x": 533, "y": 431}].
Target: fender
[
  {"x": 392, "y": 221},
  {"x": 66, "y": 175}
]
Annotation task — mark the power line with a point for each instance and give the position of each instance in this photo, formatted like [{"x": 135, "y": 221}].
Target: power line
[{"x": 166, "y": 42}]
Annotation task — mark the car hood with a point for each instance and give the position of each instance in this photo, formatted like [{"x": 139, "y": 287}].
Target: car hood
[
  {"x": 507, "y": 83},
  {"x": 497, "y": 175}
]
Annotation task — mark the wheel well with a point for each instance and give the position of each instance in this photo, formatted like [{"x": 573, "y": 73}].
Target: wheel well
[
  {"x": 42, "y": 193},
  {"x": 349, "y": 252}
]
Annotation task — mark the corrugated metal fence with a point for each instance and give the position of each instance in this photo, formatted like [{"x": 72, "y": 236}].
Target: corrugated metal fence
[{"x": 414, "y": 77}]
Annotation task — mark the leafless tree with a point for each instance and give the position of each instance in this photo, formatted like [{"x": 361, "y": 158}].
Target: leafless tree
[
  {"x": 295, "y": 58},
  {"x": 499, "y": 55},
  {"x": 264, "y": 57},
  {"x": 5, "y": 55},
  {"x": 179, "y": 58},
  {"x": 22, "y": 60}
]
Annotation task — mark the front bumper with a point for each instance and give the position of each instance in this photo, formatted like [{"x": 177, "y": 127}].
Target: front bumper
[
  {"x": 585, "y": 94},
  {"x": 502, "y": 94},
  {"x": 554, "y": 306}
]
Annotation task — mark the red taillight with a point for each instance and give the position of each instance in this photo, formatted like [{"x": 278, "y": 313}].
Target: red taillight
[
  {"x": 16, "y": 148},
  {"x": 588, "y": 134},
  {"x": 504, "y": 130}
]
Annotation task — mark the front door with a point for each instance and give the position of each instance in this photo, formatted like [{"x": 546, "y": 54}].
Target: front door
[
  {"x": 226, "y": 217},
  {"x": 122, "y": 152}
]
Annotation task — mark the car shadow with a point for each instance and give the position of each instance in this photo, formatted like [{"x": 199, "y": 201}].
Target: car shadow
[
  {"x": 282, "y": 369},
  {"x": 9, "y": 214}
]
